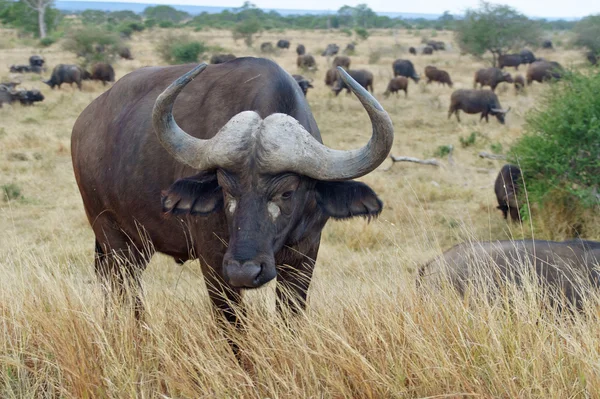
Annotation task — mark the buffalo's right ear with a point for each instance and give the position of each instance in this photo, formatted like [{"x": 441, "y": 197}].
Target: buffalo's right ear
[
  {"x": 195, "y": 195},
  {"x": 347, "y": 199}
]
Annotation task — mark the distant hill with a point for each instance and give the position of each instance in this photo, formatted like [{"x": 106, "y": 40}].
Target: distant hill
[{"x": 78, "y": 6}]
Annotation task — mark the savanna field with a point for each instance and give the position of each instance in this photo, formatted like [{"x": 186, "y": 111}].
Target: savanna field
[{"x": 368, "y": 332}]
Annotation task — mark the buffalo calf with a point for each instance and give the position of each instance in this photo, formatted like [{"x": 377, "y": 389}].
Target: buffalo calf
[
  {"x": 397, "y": 84},
  {"x": 437, "y": 75}
]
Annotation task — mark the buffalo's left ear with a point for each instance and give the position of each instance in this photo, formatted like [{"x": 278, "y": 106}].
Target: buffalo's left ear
[{"x": 344, "y": 200}]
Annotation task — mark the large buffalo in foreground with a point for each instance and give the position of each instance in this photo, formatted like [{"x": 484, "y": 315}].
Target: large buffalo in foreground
[
  {"x": 223, "y": 163},
  {"x": 562, "y": 269},
  {"x": 405, "y": 68},
  {"x": 64, "y": 73},
  {"x": 361, "y": 76},
  {"x": 476, "y": 101},
  {"x": 543, "y": 71},
  {"x": 491, "y": 77},
  {"x": 507, "y": 191}
]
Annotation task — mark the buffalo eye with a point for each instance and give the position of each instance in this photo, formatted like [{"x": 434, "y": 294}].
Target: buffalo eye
[{"x": 287, "y": 195}]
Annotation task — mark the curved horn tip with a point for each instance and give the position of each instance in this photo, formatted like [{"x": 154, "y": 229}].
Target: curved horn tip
[
  {"x": 356, "y": 88},
  {"x": 185, "y": 79}
]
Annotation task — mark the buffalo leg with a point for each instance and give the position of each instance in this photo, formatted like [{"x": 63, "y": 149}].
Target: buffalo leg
[{"x": 293, "y": 279}]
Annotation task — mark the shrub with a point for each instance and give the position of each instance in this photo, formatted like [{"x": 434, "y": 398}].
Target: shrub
[
  {"x": 362, "y": 33},
  {"x": 560, "y": 156},
  {"x": 442, "y": 151},
  {"x": 246, "y": 30},
  {"x": 47, "y": 41},
  {"x": 180, "y": 49},
  {"x": 93, "y": 45},
  {"x": 346, "y": 32},
  {"x": 469, "y": 140},
  {"x": 166, "y": 24},
  {"x": 11, "y": 192}
]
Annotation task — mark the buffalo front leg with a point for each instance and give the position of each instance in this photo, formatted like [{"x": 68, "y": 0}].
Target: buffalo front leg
[{"x": 293, "y": 279}]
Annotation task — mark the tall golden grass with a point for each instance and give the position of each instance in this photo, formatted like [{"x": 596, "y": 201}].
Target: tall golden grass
[{"x": 368, "y": 332}]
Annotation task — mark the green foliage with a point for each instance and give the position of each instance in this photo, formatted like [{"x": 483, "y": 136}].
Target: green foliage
[
  {"x": 11, "y": 192},
  {"x": 346, "y": 32},
  {"x": 150, "y": 23},
  {"x": 469, "y": 140},
  {"x": 93, "y": 45},
  {"x": 246, "y": 30},
  {"x": 164, "y": 13},
  {"x": 587, "y": 33},
  {"x": 166, "y": 24},
  {"x": 496, "y": 148},
  {"x": 442, "y": 151},
  {"x": 19, "y": 15},
  {"x": 180, "y": 48},
  {"x": 362, "y": 33},
  {"x": 47, "y": 41},
  {"x": 560, "y": 151},
  {"x": 495, "y": 28}
]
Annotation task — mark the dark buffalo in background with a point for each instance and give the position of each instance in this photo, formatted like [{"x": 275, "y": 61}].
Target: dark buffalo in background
[
  {"x": 221, "y": 58},
  {"x": 592, "y": 57},
  {"x": 36, "y": 60},
  {"x": 25, "y": 97},
  {"x": 491, "y": 77},
  {"x": 64, "y": 73},
  {"x": 9, "y": 85},
  {"x": 332, "y": 49},
  {"x": 342, "y": 61},
  {"x": 266, "y": 47},
  {"x": 543, "y": 71},
  {"x": 412, "y": 51},
  {"x": 281, "y": 43},
  {"x": 361, "y": 76},
  {"x": 397, "y": 84},
  {"x": 427, "y": 50},
  {"x": 527, "y": 57},
  {"x": 103, "y": 72},
  {"x": 300, "y": 49},
  {"x": 507, "y": 191},
  {"x": 510, "y": 60},
  {"x": 547, "y": 44},
  {"x": 567, "y": 268},
  {"x": 247, "y": 201},
  {"x": 433, "y": 74},
  {"x": 436, "y": 45},
  {"x": 350, "y": 48},
  {"x": 519, "y": 83},
  {"x": 405, "y": 68},
  {"x": 331, "y": 76},
  {"x": 304, "y": 83},
  {"x": 26, "y": 69},
  {"x": 476, "y": 101},
  {"x": 125, "y": 53},
  {"x": 306, "y": 61}
]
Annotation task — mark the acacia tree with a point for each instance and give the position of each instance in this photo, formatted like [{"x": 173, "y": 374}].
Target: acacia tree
[
  {"x": 587, "y": 33},
  {"x": 40, "y": 6},
  {"x": 495, "y": 28}
]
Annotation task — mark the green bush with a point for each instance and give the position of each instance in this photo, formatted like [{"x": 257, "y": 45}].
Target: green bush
[
  {"x": 246, "y": 30},
  {"x": 180, "y": 49},
  {"x": 187, "y": 52},
  {"x": 11, "y": 192},
  {"x": 47, "y": 41},
  {"x": 559, "y": 155},
  {"x": 362, "y": 33},
  {"x": 469, "y": 140},
  {"x": 442, "y": 151},
  {"x": 93, "y": 45},
  {"x": 346, "y": 32},
  {"x": 166, "y": 24}
]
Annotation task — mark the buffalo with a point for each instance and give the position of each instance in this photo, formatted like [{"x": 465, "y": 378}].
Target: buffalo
[
  {"x": 266, "y": 47},
  {"x": 283, "y": 44},
  {"x": 361, "y": 76},
  {"x": 510, "y": 60},
  {"x": 125, "y": 53},
  {"x": 547, "y": 44},
  {"x": 306, "y": 61},
  {"x": 437, "y": 75},
  {"x": 592, "y": 57},
  {"x": 221, "y": 58},
  {"x": 519, "y": 83},
  {"x": 36, "y": 60},
  {"x": 26, "y": 69},
  {"x": 331, "y": 50},
  {"x": 491, "y": 77},
  {"x": 412, "y": 50},
  {"x": 395, "y": 85},
  {"x": 25, "y": 97},
  {"x": 304, "y": 83},
  {"x": 527, "y": 57},
  {"x": 476, "y": 101},
  {"x": 405, "y": 68},
  {"x": 300, "y": 49},
  {"x": 436, "y": 45},
  {"x": 64, "y": 73},
  {"x": 331, "y": 76},
  {"x": 103, "y": 72},
  {"x": 427, "y": 50},
  {"x": 223, "y": 163},
  {"x": 507, "y": 191},
  {"x": 350, "y": 48},
  {"x": 564, "y": 269},
  {"x": 342, "y": 61},
  {"x": 542, "y": 71}
]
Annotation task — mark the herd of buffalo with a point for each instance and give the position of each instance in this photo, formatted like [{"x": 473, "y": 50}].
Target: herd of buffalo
[{"x": 235, "y": 173}]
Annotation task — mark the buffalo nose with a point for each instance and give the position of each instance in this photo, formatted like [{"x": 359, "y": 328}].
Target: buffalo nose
[{"x": 249, "y": 274}]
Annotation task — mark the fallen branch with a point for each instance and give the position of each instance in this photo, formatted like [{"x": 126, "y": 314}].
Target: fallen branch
[
  {"x": 487, "y": 155},
  {"x": 432, "y": 161}
]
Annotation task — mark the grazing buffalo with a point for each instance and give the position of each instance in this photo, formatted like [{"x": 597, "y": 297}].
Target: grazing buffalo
[
  {"x": 223, "y": 163},
  {"x": 331, "y": 76},
  {"x": 9, "y": 85},
  {"x": 36, "y": 60},
  {"x": 125, "y": 53},
  {"x": 491, "y": 77},
  {"x": 427, "y": 50},
  {"x": 562, "y": 269},
  {"x": 592, "y": 57},
  {"x": 436, "y": 45},
  {"x": 405, "y": 68},
  {"x": 527, "y": 57},
  {"x": 300, "y": 49},
  {"x": 542, "y": 71},
  {"x": 547, "y": 44},
  {"x": 103, "y": 72},
  {"x": 510, "y": 60},
  {"x": 397, "y": 84},
  {"x": 266, "y": 47},
  {"x": 361, "y": 76},
  {"x": 304, "y": 83},
  {"x": 25, "y": 97},
  {"x": 519, "y": 83},
  {"x": 437, "y": 75},
  {"x": 221, "y": 58},
  {"x": 283, "y": 44},
  {"x": 412, "y": 50},
  {"x": 26, "y": 69},
  {"x": 64, "y": 73},
  {"x": 350, "y": 48},
  {"x": 306, "y": 61},
  {"x": 507, "y": 191},
  {"x": 476, "y": 101},
  {"x": 341, "y": 61},
  {"x": 331, "y": 50}
]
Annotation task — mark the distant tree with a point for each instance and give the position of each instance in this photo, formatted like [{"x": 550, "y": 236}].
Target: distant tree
[
  {"x": 495, "y": 28},
  {"x": 165, "y": 13},
  {"x": 94, "y": 17},
  {"x": 587, "y": 33},
  {"x": 246, "y": 30},
  {"x": 123, "y": 15},
  {"x": 93, "y": 44},
  {"x": 21, "y": 15},
  {"x": 40, "y": 6}
]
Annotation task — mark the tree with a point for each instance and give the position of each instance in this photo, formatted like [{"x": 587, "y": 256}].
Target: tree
[
  {"x": 495, "y": 28},
  {"x": 165, "y": 13},
  {"x": 40, "y": 7},
  {"x": 587, "y": 32},
  {"x": 246, "y": 30},
  {"x": 19, "y": 14}
]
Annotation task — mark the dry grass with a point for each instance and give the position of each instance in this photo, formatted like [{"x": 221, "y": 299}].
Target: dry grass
[{"x": 367, "y": 333}]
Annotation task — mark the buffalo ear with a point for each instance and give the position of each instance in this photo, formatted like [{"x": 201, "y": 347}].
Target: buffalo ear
[
  {"x": 195, "y": 195},
  {"x": 344, "y": 200}
]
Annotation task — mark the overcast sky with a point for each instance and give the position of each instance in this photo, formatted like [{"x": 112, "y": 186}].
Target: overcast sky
[{"x": 534, "y": 8}]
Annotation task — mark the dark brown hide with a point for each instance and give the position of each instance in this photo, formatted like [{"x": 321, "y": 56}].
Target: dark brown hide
[
  {"x": 397, "y": 84},
  {"x": 475, "y": 102},
  {"x": 221, "y": 58},
  {"x": 331, "y": 76},
  {"x": 405, "y": 68},
  {"x": 507, "y": 191},
  {"x": 283, "y": 44},
  {"x": 306, "y": 61},
  {"x": 300, "y": 49},
  {"x": 65, "y": 74},
  {"x": 543, "y": 71},
  {"x": 437, "y": 75},
  {"x": 412, "y": 51},
  {"x": 103, "y": 72},
  {"x": 427, "y": 50},
  {"x": 342, "y": 61},
  {"x": 304, "y": 83},
  {"x": 362, "y": 76},
  {"x": 491, "y": 77},
  {"x": 510, "y": 60},
  {"x": 519, "y": 83}
]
